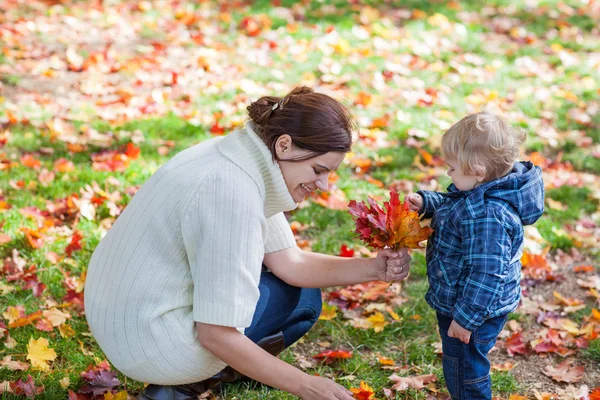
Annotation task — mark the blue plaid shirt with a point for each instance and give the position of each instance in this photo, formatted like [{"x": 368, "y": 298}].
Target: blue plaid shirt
[{"x": 474, "y": 254}]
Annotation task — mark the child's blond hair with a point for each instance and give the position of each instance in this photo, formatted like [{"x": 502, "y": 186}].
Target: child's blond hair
[{"x": 484, "y": 144}]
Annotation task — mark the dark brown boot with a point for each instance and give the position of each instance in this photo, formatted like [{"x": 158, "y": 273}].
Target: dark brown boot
[{"x": 177, "y": 392}]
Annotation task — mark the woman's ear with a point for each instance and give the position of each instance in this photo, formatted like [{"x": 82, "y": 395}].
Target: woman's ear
[{"x": 283, "y": 146}]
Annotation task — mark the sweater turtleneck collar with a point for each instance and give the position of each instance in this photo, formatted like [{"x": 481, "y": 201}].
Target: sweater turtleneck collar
[{"x": 245, "y": 148}]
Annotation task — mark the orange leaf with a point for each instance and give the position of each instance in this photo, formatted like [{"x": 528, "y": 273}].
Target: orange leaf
[
  {"x": 27, "y": 320},
  {"x": 595, "y": 395},
  {"x": 365, "y": 392},
  {"x": 394, "y": 225},
  {"x": 30, "y": 162},
  {"x": 382, "y": 122},
  {"x": 584, "y": 268},
  {"x": 363, "y": 99}
]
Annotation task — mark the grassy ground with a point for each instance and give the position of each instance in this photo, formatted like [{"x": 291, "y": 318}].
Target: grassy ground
[{"x": 408, "y": 69}]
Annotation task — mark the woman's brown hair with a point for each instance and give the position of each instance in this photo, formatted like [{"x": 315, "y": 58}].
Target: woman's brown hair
[{"x": 316, "y": 122}]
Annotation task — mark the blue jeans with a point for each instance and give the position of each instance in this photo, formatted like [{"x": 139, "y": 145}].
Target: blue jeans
[
  {"x": 281, "y": 307},
  {"x": 466, "y": 366}
]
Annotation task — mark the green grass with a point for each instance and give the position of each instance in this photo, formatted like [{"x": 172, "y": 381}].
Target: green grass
[{"x": 395, "y": 63}]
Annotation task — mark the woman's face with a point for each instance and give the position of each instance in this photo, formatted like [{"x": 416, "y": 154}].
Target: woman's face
[{"x": 304, "y": 177}]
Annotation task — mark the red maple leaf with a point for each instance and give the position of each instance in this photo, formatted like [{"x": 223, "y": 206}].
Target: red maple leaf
[
  {"x": 26, "y": 388},
  {"x": 595, "y": 395},
  {"x": 515, "y": 345},
  {"x": 329, "y": 356},
  {"x": 99, "y": 382},
  {"x": 75, "y": 243},
  {"x": 392, "y": 225}
]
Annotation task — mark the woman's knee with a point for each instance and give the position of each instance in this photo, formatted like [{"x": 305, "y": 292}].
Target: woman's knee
[{"x": 312, "y": 300}]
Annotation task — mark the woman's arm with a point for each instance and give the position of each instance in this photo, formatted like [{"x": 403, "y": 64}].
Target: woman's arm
[
  {"x": 306, "y": 269},
  {"x": 239, "y": 352}
]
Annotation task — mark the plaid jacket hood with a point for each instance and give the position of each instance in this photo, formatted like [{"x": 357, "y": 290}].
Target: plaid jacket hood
[{"x": 473, "y": 256}]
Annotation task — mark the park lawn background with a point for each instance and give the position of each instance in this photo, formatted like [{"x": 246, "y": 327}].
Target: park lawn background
[{"x": 180, "y": 74}]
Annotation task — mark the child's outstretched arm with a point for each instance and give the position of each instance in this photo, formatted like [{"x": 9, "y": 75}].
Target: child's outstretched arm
[
  {"x": 430, "y": 202},
  {"x": 487, "y": 250}
]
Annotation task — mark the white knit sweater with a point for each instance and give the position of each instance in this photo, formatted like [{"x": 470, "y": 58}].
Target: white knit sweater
[{"x": 188, "y": 247}]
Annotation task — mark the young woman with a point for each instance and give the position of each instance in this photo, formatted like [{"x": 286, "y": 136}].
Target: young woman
[{"x": 179, "y": 289}]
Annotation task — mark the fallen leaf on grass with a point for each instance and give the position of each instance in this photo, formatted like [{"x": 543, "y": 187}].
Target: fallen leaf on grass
[
  {"x": 99, "y": 382},
  {"x": 39, "y": 353},
  {"x": 7, "y": 362},
  {"x": 566, "y": 371},
  {"x": 364, "y": 392},
  {"x": 328, "y": 312},
  {"x": 26, "y": 388},
  {"x": 329, "y": 356},
  {"x": 411, "y": 382}
]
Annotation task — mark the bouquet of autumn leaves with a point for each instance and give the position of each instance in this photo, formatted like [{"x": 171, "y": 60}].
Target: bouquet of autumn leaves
[{"x": 392, "y": 226}]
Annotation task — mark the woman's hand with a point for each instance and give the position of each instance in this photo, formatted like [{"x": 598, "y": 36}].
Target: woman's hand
[
  {"x": 415, "y": 201},
  {"x": 392, "y": 265},
  {"x": 319, "y": 388}
]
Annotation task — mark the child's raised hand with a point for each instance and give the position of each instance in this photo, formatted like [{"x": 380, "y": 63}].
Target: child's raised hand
[
  {"x": 458, "y": 332},
  {"x": 415, "y": 201}
]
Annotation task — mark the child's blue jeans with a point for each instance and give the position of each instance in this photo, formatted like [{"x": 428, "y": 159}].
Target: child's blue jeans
[
  {"x": 281, "y": 307},
  {"x": 466, "y": 366}
]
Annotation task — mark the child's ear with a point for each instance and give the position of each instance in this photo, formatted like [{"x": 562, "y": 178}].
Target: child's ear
[{"x": 479, "y": 173}]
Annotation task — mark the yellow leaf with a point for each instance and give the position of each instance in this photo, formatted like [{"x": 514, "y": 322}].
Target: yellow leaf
[
  {"x": 438, "y": 19},
  {"x": 377, "y": 321},
  {"x": 66, "y": 331},
  {"x": 393, "y": 314},
  {"x": 65, "y": 382},
  {"x": 55, "y": 316},
  {"x": 38, "y": 353},
  {"x": 12, "y": 314},
  {"x": 386, "y": 361},
  {"x": 122, "y": 395},
  {"x": 328, "y": 312}
]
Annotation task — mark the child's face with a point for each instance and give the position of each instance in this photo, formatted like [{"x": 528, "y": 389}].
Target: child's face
[{"x": 461, "y": 181}]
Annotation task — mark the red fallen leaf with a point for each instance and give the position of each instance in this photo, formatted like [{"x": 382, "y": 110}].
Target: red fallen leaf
[
  {"x": 393, "y": 226},
  {"x": 345, "y": 251},
  {"x": 74, "y": 299},
  {"x": 364, "y": 392},
  {"x": 31, "y": 282},
  {"x": 78, "y": 396},
  {"x": 595, "y": 395},
  {"x": 411, "y": 382},
  {"x": 99, "y": 382},
  {"x": 565, "y": 372},
  {"x": 515, "y": 345},
  {"x": 132, "y": 152},
  {"x": 329, "y": 356},
  {"x": 27, "y": 388},
  {"x": 75, "y": 243},
  {"x": 44, "y": 325}
]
